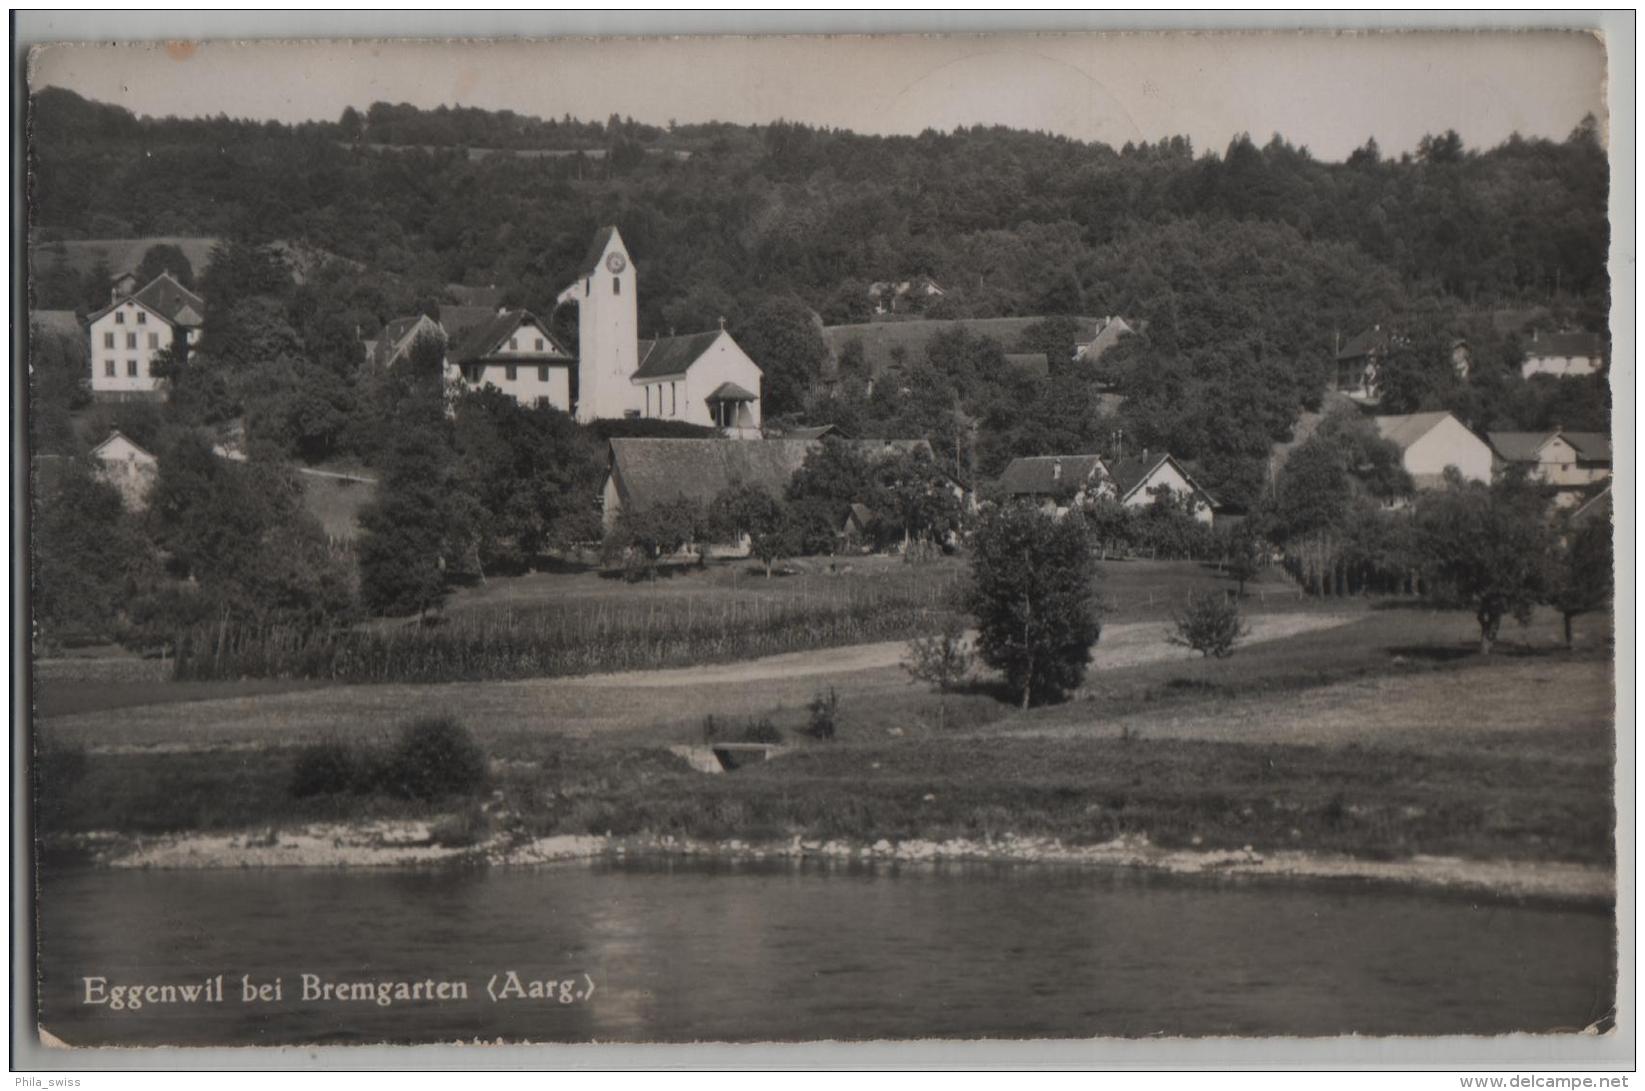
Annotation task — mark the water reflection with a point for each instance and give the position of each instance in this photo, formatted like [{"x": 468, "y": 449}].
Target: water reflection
[{"x": 686, "y": 951}]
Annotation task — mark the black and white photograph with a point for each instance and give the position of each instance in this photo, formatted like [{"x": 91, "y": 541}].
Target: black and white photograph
[{"x": 798, "y": 539}]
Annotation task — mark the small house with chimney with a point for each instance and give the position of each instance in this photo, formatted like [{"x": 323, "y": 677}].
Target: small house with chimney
[{"x": 1056, "y": 483}]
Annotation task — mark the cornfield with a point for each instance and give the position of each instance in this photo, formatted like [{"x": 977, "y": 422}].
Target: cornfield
[{"x": 579, "y": 638}]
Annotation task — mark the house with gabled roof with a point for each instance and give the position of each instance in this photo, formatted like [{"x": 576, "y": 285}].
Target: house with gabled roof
[
  {"x": 1570, "y": 463},
  {"x": 1138, "y": 481},
  {"x": 1429, "y": 443},
  {"x": 515, "y": 353},
  {"x": 1568, "y": 354},
  {"x": 1056, "y": 482},
  {"x": 1107, "y": 336},
  {"x": 125, "y": 337},
  {"x": 397, "y": 336},
  {"x": 126, "y": 466}
]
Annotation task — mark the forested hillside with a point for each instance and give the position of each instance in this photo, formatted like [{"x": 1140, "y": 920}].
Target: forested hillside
[{"x": 1246, "y": 265}]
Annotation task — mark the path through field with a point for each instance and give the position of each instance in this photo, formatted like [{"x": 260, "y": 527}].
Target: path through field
[
  {"x": 1127, "y": 644},
  {"x": 658, "y": 705}
]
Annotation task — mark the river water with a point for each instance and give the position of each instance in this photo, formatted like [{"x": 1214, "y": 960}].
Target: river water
[{"x": 683, "y": 951}]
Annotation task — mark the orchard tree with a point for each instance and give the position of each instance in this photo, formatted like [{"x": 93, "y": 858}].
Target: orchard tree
[
  {"x": 642, "y": 537},
  {"x": 1490, "y": 546},
  {"x": 87, "y": 555},
  {"x": 1032, "y": 595},
  {"x": 1584, "y": 577},
  {"x": 742, "y": 509}
]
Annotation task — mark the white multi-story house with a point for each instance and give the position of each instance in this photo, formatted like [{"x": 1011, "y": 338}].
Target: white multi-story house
[
  {"x": 515, "y": 353},
  {"x": 125, "y": 337}
]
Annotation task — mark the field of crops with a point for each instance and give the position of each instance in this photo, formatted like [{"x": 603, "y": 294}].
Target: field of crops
[{"x": 591, "y": 627}]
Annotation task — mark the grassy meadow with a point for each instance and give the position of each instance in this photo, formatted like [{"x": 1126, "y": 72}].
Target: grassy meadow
[{"x": 1373, "y": 728}]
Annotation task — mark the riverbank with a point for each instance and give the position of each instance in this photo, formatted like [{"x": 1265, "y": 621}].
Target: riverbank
[
  {"x": 1362, "y": 750},
  {"x": 415, "y": 844}
]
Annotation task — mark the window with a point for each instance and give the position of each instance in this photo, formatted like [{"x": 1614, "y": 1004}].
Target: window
[
  {"x": 142, "y": 318},
  {"x": 108, "y": 340},
  {"x": 513, "y": 345},
  {"x": 673, "y": 399},
  {"x": 131, "y": 340},
  {"x": 154, "y": 340},
  {"x": 539, "y": 344},
  {"x": 648, "y": 401},
  {"x": 509, "y": 372},
  {"x": 108, "y": 368},
  {"x": 542, "y": 373},
  {"x": 131, "y": 369},
  {"x": 616, "y": 285},
  {"x": 120, "y": 318}
]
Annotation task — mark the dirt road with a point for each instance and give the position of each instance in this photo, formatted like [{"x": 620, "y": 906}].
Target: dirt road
[{"x": 1123, "y": 645}]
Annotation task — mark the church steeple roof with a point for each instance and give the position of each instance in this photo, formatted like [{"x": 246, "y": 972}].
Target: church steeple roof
[{"x": 602, "y": 239}]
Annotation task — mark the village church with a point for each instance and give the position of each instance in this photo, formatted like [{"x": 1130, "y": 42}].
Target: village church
[{"x": 701, "y": 378}]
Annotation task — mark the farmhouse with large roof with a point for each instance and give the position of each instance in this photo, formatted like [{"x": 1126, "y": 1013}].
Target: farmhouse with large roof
[{"x": 125, "y": 337}]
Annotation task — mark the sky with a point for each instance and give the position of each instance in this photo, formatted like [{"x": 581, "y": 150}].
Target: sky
[{"x": 1329, "y": 92}]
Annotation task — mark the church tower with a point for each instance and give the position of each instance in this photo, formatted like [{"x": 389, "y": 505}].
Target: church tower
[{"x": 607, "y": 329}]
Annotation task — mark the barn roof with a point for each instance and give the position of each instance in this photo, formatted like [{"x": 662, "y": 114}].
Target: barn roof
[
  {"x": 1519, "y": 446},
  {"x": 1364, "y": 343},
  {"x": 1043, "y": 475},
  {"x": 653, "y": 471},
  {"x": 484, "y": 340},
  {"x": 457, "y": 320},
  {"x": 647, "y": 472},
  {"x": 1569, "y": 343},
  {"x": 880, "y": 340},
  {"x": 1590, "y": 446},
  {"x": 1404, "y": 429},
  {"x": 673, "y": 355}
]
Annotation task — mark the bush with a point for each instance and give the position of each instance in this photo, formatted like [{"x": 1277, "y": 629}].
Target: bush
[
  {"x": 328, "y": 767},
  {"x": 1210, "y": 625},
  {"x": 941, "y": 659},
  {"x": 435, "y": 757},
  {"x": 824, "y": 708}
]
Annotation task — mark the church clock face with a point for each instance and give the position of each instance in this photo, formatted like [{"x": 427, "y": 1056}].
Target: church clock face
[{"x": 616, "y": 263}]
